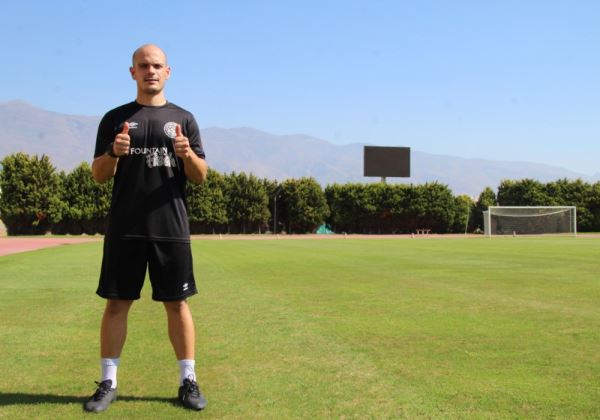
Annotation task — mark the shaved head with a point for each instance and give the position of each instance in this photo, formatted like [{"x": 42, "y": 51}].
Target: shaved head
[
  {"x": 150, "y": 70},
  {"x": 148, "y": 47}
]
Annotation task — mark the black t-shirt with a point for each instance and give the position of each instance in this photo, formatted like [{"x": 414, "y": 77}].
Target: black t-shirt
[{"x": 148, "y": 197}]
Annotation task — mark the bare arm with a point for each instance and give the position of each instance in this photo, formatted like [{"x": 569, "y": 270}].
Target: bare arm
[
  {"x": 104, "y": 167},
  {"x": 195, "y": 167}
]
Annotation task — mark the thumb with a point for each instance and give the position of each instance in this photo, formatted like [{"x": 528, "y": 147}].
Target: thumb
[
  {"x": 178, "y": 132},
  {"x": 125, "y": 129}
]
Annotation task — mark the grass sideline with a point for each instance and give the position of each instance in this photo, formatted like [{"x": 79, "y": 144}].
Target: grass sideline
[{"x": 381, "y": 328}]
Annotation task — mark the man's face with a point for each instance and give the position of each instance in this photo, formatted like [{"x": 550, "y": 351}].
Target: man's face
[{"x": 150, "y": 70}]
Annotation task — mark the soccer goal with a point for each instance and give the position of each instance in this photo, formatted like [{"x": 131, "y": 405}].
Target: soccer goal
[{"x": 530, "y": 220}]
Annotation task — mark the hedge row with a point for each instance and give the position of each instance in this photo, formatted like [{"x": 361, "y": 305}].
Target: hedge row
[{"x": 36, "y": 199}]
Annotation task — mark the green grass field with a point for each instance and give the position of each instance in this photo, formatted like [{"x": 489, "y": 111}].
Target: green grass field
[{"x": 375, "y": 328}]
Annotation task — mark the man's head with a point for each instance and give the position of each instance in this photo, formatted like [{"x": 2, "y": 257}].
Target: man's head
[{"x": 149, "y": 69}]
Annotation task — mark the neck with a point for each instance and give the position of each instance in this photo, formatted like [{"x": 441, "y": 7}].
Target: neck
[{"x": 151, "y": 100}]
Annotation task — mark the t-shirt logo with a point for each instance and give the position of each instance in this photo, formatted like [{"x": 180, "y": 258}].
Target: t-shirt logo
[
  {"x": 170, "y": 129},
  {"x": 160, "y": 157}
]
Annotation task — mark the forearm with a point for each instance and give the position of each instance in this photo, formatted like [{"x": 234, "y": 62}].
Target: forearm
[
  {"x": 104, "y": 168},
  {"x": 195, "y": 168}
]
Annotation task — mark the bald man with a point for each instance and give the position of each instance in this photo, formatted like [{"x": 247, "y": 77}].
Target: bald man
[{"x": 151, "y": 148}]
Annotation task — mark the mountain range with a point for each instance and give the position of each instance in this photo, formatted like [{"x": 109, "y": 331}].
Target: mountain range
[{"x": 69, "y": 140}]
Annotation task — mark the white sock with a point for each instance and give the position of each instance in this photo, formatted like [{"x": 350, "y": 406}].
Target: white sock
[
  {"x": 109, "y": 370},
  {"x": 186, "y": 370}
]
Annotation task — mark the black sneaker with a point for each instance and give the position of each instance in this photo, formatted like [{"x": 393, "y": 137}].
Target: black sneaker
[
  {"x": 102, "y": 398},
  {"x": 190, "y": 395}
]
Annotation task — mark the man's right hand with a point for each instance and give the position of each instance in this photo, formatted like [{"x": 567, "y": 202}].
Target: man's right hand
[{"x": 122, "y": 141}]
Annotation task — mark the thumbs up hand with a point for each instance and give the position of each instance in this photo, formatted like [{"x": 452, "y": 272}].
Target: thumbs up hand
[
  {"x": 181, "y": 144},
  {"x": 122, "y": 141}
]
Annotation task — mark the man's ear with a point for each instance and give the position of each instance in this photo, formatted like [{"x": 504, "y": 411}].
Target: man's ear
[{"x": 132, "y": 71}]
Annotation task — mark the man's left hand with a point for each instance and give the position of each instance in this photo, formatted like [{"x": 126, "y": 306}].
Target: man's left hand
[{"x": 181, "y": 144}]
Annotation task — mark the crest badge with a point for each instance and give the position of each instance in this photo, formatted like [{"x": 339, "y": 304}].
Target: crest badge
[{"x": 170, "y": 129}]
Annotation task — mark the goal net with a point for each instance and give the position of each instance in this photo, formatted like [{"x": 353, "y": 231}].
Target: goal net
[{"x": 530, "y": 220}]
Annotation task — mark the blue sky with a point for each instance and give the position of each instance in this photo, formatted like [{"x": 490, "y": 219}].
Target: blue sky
[{"x": 501, "y": 80}]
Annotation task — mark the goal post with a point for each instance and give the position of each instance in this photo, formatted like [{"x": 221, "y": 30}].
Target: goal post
[{"x": 530, "y": 220}]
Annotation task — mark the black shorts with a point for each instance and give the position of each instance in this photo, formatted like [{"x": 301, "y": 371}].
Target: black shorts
[{"x": 124, "y": 269}]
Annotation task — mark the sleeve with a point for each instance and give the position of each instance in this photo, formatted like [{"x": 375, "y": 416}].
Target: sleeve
[
  {"x": 192, "y": 132},
  {"x": 106, "y": 134}
]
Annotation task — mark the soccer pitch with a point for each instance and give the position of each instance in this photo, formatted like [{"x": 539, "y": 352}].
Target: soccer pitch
[{"x": 339, "y": 328}]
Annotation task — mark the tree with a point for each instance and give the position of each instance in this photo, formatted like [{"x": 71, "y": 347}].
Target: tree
[
  {"x": 594, "y": 207},
  {"x": 486, "y": 199},
  {"x": 207, "y": 205},
  {"x": 390, "y": 208},
  {"x": 528, "y": 192},
  {"x": 247, "y": 203},
  {"x": 348, "y": 205},
  {"x": 464, "y": 214},
  {"x": 573, "y": 193},
  {"x": 273, "y": 191},
  {"x": 434, "y": 207},
  {"x": 524, "y": 192},
  {"x": 305, "y": 207},
  {"x": 378, "y": 214},
  {"x": 30, "y": 201},
  {"x": 395, "y": 209},
  {"x": 87, "y": 202}
]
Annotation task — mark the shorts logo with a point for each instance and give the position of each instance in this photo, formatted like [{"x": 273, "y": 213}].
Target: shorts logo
[
  {"x": 185, "y": 287},
  {"x": 170, "y": 129}
]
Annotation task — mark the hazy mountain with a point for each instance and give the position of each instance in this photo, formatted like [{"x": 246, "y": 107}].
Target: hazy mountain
[
  {"x": 69, "y": 140},
  {"x": 280, "y": 157}
]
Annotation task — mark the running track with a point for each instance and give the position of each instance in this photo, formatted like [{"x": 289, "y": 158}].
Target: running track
[{"x": 12, "y": 245}]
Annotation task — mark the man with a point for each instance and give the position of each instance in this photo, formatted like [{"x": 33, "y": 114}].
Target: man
[{"x": 150, "y": 147}]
